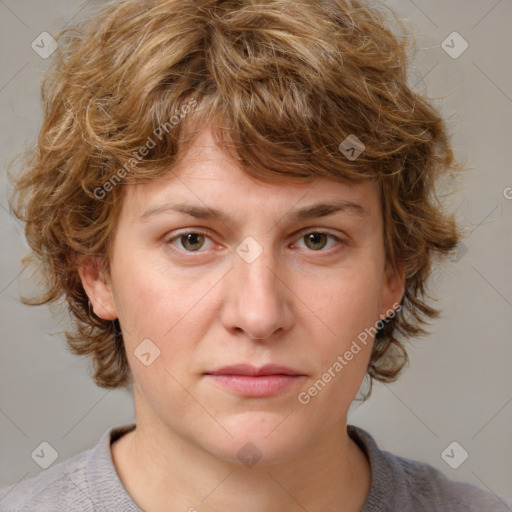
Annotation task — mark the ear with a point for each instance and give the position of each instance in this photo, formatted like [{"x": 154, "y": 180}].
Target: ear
[
  {"x": 98, "y": 287},
  {"x": 393, "y": 290}
]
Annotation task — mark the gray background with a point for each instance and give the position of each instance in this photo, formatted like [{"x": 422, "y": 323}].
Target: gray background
[{"x": 459, "y": 384}]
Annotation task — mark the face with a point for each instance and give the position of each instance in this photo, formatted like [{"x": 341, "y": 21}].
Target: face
[{"x": 259, "y": 285}]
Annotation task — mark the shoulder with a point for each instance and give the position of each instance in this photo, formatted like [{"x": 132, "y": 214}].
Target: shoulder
[
  {"x": 60, "y": 486},
  {"x": 427, "y": 488},
  {"x": 409, "y": 485},
  {"x": 85, "y": 482}
]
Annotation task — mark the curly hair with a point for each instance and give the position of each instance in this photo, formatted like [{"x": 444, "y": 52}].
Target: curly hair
[{"x": 284, "y": 84}]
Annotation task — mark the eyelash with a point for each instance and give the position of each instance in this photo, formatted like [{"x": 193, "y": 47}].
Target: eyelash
[{"x": 302, "y": 235}]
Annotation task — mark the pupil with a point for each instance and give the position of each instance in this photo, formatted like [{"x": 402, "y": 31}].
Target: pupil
[
  {"x": 192, "y": 239},
  {"x": 316, "y": 238}
]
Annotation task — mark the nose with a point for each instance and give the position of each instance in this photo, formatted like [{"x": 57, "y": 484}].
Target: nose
[{"x": 257, "y": 299}]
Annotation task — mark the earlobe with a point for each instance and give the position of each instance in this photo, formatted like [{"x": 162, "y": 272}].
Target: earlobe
[
  {"x": 97, "y": 286},
  {"x": 393, "y": 291}
]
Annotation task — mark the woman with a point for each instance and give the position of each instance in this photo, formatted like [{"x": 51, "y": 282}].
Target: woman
[{"x": 237, "y": 201}]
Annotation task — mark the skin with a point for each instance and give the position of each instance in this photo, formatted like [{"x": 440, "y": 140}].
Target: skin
[{"x": 299, "y": 304}]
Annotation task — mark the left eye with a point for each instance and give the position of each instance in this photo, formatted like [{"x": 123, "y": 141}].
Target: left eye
[
  {"x": 193, "y": 241},
  {"x": 317, "y": 240}
]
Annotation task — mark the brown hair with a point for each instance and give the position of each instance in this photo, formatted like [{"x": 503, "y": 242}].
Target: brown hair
[{"x": 283, "y": 83}]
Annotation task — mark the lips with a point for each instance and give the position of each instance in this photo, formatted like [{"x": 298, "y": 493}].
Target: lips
[
  {"x": 253, "y": 371},
  {"x": 252, "y": 382}
]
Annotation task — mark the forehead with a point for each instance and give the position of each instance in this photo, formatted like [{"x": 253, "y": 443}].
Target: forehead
[{"x": 205, "y": 176}]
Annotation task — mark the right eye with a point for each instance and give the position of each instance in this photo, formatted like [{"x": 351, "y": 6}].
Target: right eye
[{"x": 190, "y": 241}]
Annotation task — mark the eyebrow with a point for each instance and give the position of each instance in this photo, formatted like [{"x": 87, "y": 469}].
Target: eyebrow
[{"x": 312, "y": 211}]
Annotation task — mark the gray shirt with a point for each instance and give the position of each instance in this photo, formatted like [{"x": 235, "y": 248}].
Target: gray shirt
[{"x": 88, "y": 482}]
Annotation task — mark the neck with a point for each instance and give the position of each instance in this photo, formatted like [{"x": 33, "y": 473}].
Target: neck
[{"x": 163, "y": 471}]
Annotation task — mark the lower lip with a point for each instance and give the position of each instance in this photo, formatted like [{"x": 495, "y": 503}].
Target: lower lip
[{"x": 264, "y": 385}]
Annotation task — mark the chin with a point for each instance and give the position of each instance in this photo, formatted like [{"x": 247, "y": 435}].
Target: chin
[{"x": 259, "y": 441}]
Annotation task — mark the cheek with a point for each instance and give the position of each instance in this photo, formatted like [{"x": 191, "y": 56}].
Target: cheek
[
  {"x": 144, "y": 304},
  {"x": 170, "y": 309},
  {"x": 348, "y": 301},
  {"x": 141, "y": 294}
]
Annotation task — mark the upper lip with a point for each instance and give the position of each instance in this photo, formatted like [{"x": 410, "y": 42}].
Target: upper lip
[{"x": 247, "y": 369}]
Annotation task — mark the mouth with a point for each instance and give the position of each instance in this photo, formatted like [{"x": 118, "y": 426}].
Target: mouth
[
  {"x": 253, "y": 371},
  {"x": 250, "y": 381}
]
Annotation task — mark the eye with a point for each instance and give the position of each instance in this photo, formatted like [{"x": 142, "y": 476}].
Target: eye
[
  {"x": 317, "y": 240},
  {"x": 190, "y": 241},
  {"x": 194, "y": 241}
]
